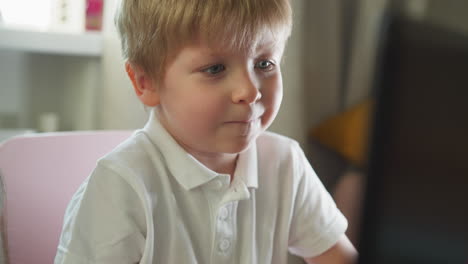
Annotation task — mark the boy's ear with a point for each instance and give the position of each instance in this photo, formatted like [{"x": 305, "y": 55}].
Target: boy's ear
[{"x": 144, "y": 86}]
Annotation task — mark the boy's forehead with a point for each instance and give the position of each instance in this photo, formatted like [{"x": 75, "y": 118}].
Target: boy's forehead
[{"x": 265, "y": 41}]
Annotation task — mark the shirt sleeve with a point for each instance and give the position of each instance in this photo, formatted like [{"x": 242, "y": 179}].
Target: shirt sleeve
[
  {"x": 316, "y": 224},
  {"x": 103, "y": 223}
]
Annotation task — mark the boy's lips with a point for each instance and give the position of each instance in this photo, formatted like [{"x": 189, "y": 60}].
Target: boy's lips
[
  {"x": 247, "y": 118},
  {"x": 244, "y": 127},
  {"x": 242, "y": 121}
]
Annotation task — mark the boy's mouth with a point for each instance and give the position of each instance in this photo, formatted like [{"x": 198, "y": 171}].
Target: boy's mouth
[
  {"x": 248, "y": 118},
  {"x": 245, "y": 127},
  {"x": 241, "y": 121}
]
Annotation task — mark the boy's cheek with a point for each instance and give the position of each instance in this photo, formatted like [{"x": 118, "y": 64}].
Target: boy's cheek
[
  {"x": 201, "y": 114},
  {"x": 272, "y": 95}
]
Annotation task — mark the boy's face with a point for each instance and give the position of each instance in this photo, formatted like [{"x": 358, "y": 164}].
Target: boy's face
[{"x": 218, "y": 101}]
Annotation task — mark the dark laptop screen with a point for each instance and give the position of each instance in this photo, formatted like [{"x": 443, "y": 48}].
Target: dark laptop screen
[{"x": 416, "y": 205}]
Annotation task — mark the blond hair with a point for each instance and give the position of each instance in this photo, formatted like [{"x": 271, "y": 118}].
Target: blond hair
[{"x": 152, "y": 31}]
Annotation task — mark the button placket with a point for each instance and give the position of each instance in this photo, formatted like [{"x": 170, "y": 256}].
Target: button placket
[
  {"x": 225, "y": 230},
  {"x": 225, "y": 220},
  {"x": 224, "y": 245},
  {"x": 223, "y": 213}
]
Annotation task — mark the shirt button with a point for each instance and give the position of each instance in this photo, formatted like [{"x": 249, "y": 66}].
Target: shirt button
[
  {"x": 224, "y": 245},
  {"x": 217, "y": 184},
  {"x": 223, "y": 213}
]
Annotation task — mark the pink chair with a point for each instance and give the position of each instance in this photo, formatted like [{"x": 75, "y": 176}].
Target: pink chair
[{"x": 41, "y": 173}]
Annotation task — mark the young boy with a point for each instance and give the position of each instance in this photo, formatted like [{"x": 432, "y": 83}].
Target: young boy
[{"x": 203, "y": 182}]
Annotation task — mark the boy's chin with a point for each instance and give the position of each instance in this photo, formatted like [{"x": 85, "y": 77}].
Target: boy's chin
[{"x": 237, "y": 147}]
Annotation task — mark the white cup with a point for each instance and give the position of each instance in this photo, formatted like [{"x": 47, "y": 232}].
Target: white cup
[{"x": 48, "y": 122}]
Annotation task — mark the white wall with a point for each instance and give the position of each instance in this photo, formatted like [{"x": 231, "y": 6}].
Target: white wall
[
  {"x": 12, "y": 101},
  {"x": 364, "y": 48},
  {"x": 322, "y": 54},
  {"x": 32, "y": 84},
  {"x": 118, "y": 106},
  {"x": 291, "y": 118}
]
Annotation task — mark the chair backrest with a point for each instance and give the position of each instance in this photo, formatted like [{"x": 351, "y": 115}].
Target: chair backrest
[{"x": 41, "y": 173}]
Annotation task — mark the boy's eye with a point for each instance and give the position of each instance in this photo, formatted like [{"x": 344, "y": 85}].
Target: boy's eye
[
  {"x": 265, "y": 65},
  {"x": 215, "y": 69}
]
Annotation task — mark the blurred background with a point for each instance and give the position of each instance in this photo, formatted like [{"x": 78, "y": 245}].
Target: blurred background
[{"x": 61, "y": 70}]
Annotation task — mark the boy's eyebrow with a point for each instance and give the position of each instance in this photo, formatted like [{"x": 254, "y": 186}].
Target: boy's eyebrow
[
  {"x": 275, "y": 47},
  {"x": 268, "y": 45},
  {"x": 211, "y": 52},
  {"x": 260, "y": 46},
  {"x": 272, "y": 43}
]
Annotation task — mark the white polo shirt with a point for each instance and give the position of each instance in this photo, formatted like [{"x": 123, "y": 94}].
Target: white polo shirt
[{"x": 148, "y": 201}]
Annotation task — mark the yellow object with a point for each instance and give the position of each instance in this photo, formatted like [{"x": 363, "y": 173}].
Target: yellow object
[{"x": 347, "y": 133}]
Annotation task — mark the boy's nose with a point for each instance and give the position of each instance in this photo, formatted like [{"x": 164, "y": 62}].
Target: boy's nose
[{"x": 246, "y": 90}]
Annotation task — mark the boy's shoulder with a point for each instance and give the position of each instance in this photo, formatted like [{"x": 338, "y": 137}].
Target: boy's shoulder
[
  {"x": 135, "y": 153},
  {"x": 269, "y": 135},
  {"x": 132, "y": 144},
  {"x": 277, "y": 142}
]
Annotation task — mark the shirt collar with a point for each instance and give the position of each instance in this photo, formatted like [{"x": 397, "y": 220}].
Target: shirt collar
[{"x": 188, "y": 171}]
